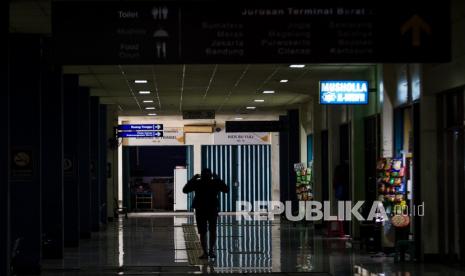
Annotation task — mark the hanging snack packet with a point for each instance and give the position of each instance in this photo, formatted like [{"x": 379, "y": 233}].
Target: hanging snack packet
[
  {"x": 380, "y": 164},
  {"x": 396, "y": 165}
]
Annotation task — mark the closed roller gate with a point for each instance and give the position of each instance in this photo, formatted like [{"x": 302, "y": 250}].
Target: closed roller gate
[
  {"x": 244, "y": 168},
  {"x": 190, "y": 173}
]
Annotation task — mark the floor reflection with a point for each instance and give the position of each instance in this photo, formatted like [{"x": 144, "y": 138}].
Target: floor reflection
[
  {"x": 120, "y": 243},
  {"x": 244, "y": 246},
  {"x": 157, "y": 244}
]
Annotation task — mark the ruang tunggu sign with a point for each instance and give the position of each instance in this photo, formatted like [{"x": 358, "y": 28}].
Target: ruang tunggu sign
[
  {"x": 343, "y": 92},
  {"x": 242, "y": 138},
  {"x": 171, "y": 136}
]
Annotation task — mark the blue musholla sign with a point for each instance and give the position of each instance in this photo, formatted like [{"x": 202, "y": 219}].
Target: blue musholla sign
[{"x": 343, "y": 92}]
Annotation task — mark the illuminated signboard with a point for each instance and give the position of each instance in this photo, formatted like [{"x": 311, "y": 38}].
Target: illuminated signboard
[
  {"x": 140, "y": 134},
  {"x": 141, "y": 127},
  {"x": 343, "y": 92}
]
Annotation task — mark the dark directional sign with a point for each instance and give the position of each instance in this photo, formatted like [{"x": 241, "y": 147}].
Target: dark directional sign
[
  {"x": 141, "y": 127},
  {"x": 140, "y": 134},
  {"x": 148, "y": 32}
]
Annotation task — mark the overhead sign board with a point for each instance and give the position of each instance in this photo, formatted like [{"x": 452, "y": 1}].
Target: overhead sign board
[
  {"x": 343, "y": 92},
  {"x": 158, "y": 32},
  {"x": 242, "y": 138},
  {"x": 171, "y": 136},
  {"x": 141, "y": 127},
  {"x": 140, "y": 134}
]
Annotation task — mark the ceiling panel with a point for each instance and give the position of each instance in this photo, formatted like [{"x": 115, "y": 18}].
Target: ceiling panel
[
  {"x": 89, "y": 81},
  {"x": 104, "y": 69},
  {"x": 30, "y": 16},
  {"x": 224, "y": 88}
]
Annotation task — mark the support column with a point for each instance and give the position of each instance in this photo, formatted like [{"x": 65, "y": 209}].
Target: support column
[
  {"x": 289, "y": 154},
  {"x": 417, "y": 189},
  {"x": 432, "y": 156},
  {"x": 70, "y": 165},
  {"x": 25, "y": 152},
  {"x": 52, "y": 160},
  {"x": 318, "y": 126},
  {"x": 284, "y": 159},
  {"x": 95, "y": 162},
  {"x": 103, "y": 164},
  {"x": 288, "y": 157},
  {"x": 84, "y": 175},
  {"x": 112, "y": 159},
  {"x": 294, "y": 151},
  {"x": 4, "y": 150}
]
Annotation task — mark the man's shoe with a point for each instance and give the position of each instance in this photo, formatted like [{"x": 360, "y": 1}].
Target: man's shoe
[{"x": 203, "y": 256}]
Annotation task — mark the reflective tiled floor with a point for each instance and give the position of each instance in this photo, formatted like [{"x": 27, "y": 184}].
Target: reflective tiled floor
[{"x": 168, "y": 244}]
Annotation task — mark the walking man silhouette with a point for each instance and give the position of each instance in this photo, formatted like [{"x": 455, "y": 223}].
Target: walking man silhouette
[{"x": 206, "y": 186}]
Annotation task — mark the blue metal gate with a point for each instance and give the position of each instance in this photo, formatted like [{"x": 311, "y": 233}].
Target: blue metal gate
[
  {"x": 244, "y": 168},
  {"x": 190, "y": 173}
]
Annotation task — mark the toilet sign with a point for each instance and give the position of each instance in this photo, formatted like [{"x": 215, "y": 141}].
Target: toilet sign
[{"x": 343, "y": 92}]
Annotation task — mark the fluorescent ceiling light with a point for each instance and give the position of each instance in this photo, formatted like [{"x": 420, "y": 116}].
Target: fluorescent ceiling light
[
  {"x": 144, "y": 92},
  {"x": 150, "y": 108},
  {"x": 140, "y": 81},
  {"x": 238, "y": 118},
  {"x": 283, "y": 81},
  {"x": 148, "y": 101},
  {"x": 250, "y": 107},
  {"x": 268, "y": 92},
  {"x": 259, "y": 101},
  {"x": 297, "y": 65},
  {"x": 152, "y": 114}
]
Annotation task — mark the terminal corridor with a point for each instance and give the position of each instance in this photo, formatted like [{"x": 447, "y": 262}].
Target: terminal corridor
[{"x": 130, "y": 127}]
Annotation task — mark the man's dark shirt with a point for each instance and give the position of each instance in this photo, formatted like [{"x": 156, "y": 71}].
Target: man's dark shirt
[{"x": 206, "y": 193}]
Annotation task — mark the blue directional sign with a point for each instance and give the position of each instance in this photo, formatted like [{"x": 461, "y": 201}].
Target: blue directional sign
[
  {"x": 343, "y": 92},
  {"x": 140, "y": 134},
  {"x": 141, "y": 127}
]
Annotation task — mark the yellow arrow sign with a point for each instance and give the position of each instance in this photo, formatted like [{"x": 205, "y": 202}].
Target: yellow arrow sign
[{"x": 416, "y": 25}]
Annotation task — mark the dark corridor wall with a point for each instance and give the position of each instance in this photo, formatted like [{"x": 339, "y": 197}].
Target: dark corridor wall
[
  {"x": 4, "y": 146},
  {"x": 156, "y": 160}
]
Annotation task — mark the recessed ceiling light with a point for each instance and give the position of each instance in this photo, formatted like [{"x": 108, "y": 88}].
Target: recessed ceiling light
[
  {"x": 140, "y": 81},
  {"x": 152, "y": 114},
  {"x": 259, "y": 101},
  {"x": 147, "y": 101},
  {"x": 283, "y": 81},
  {"x": 297, "y": 65},
  {"x": 268, "y": 92},
  {"x": 251, "y": 107},
  {"x": 238, "y": 118},
  {"x": 150, "y": 107},
  {"x": 144, "y": 92}
]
